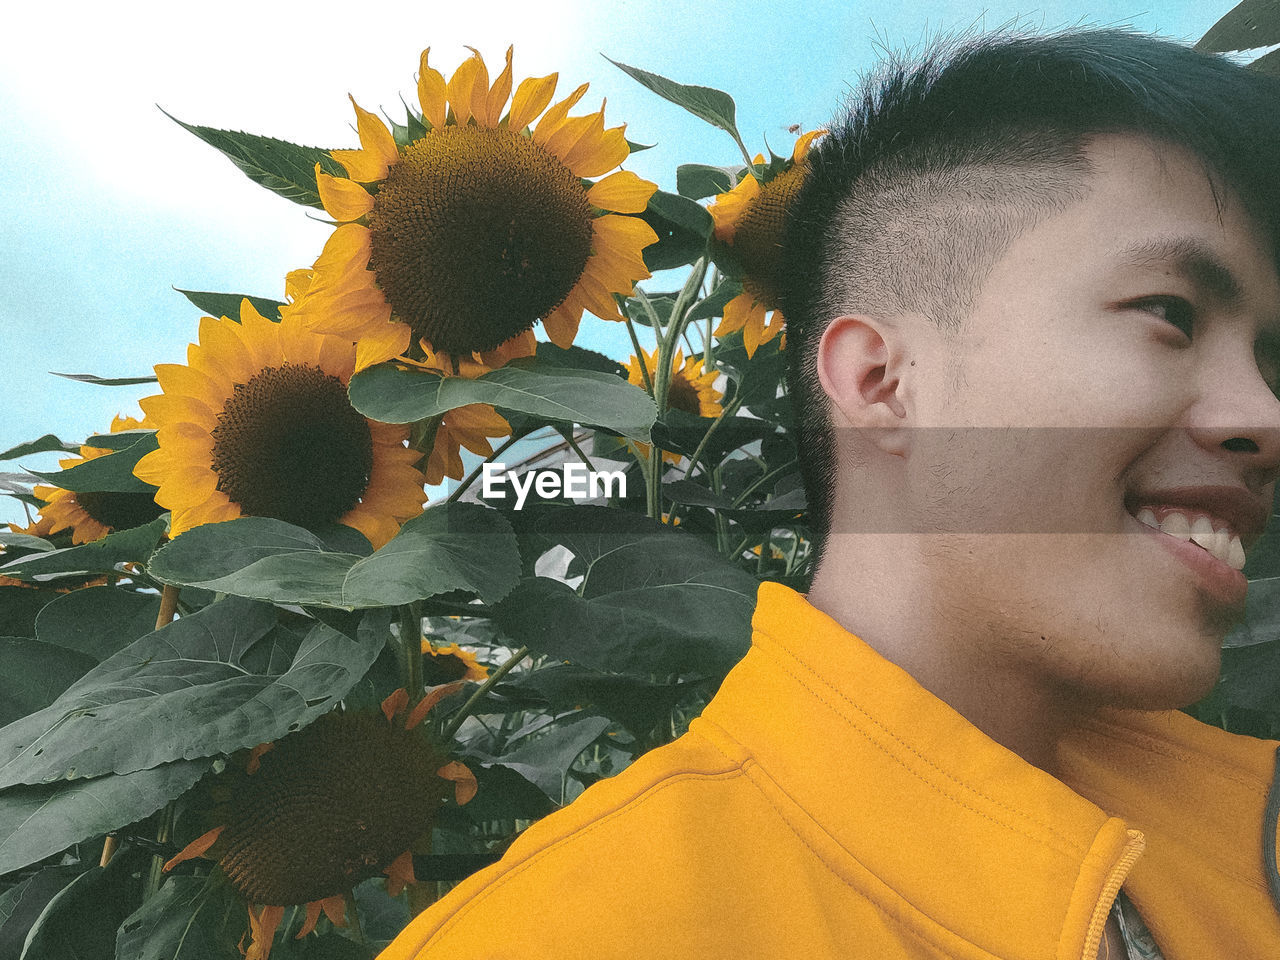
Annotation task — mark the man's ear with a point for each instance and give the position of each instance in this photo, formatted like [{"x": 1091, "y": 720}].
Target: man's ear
[{"x": 859, "y": 362}]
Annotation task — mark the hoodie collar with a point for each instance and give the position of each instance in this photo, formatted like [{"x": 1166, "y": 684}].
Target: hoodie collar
[{"x": 963, "y": 829}]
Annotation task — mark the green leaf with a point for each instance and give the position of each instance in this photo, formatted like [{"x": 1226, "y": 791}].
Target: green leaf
[
  {"x": 97, "y": 621},
  {"x": 104, "y": 381},
  {"x": 573, "y": 358},
  {"x": 37, "y": 821},
  {"x": 228, "y": 304},
  {"x": 80, "y": 922},
  {"x": 1268, "y": 63},
  {"x": 636, "y": 703},
  {"x": 698, "y": 180},
  {"x": 634, "y": 147},
  {"x": 653, "y": 599},
  {"x": 181, "y": 693},
  {"x": 120, "y": 440},
  {"x": 19, "y": 607},
  {"x": 453, "y": 546},
  {"x": 1248, "y": 25},
  {"x": 284, "y": 168},
  {"x": 33, "y": 674},
  {"x": 108, "y": 474},
  {"x": 683, "y": 228},
  {"x": 1261, "y": 622},
  {"x": 25, "y": 902},
  {"x": 544, "y": 761},
  {"x": 714, "y": 303},
  {"x": 189, "y": 918},
  {"x": 43, "y": 445},
  {"x": 101, "y": 556},
  {"x": 714, "y": 106},
  {"x": 392, "y": 395},
  {"x": 24, "y": 542}
]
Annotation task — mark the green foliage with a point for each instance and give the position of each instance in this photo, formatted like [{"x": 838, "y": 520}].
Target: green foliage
[
  {"x": 282, "y": 167},
  {"x": 451, "y": 547},
  {"x": 108, "y": 474},
  {"x": 394, "y": 395},
  {"x": 101, "y": 556},
  {"x": 189, "y": 918},
  {"x": 42, "y": 445},
  {"x": 228, "y": 304}
]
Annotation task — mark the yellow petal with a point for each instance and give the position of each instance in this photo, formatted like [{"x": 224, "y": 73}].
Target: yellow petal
[
  {"x": 313, "y": 915},
  {"x": 620, "y": 229},
  {"x": 382, "y": 343},
  {"x": 497, "y": 96},
  {"x": 569, "y": 133},
  {"x": 223, "y": 344},
  {"x": 361, "y": 166},
  {"x": 462, "y": 86},
  {"x": 195, "y": 848},
  {"x": 802, "y": 145},
  {"x": 532, "y": 97},
  {"x": 375, "y": 138},
  {"x": 621, "y": 192},
  {"x": 163, "y": 408},
  {"x": 464, "y": 780},
  {"x": 735, "y": 314},
  {"x": 180, "y": 379},
  {"x": 552, "y": 119},
  {"x": 562, "y": 324},
  {"x": 399, "y": 874},
  {"x": 753, "y": 328},
  {"x": 432, "y": 93},
  {"x": 344, "y": 200},
  {"x": 377, "y": 528}
]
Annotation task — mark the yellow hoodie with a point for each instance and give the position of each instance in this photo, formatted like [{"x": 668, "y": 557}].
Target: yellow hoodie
[{"x": 825, "y": 805}]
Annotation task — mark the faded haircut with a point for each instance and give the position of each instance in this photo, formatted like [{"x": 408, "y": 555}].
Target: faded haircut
[{"x": 939, "y": 161}]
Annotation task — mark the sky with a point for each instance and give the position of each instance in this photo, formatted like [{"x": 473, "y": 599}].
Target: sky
[{"x": 109, "y": 205}]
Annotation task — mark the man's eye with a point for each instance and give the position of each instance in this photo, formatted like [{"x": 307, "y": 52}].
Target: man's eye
[{"x": 1173, "y": 310}]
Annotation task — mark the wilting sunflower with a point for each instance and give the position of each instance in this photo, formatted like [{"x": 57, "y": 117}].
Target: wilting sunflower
[
  {"x": 749, "y": 218},
  {"x": 471, "y": 233},
  {"x": 309, "y": 817},
  {"x": 257, "y": 423},
  {"x": 689, "y": 390},
  {"x": 449, "y": 662},
  {"x": 92, "y": 515}
]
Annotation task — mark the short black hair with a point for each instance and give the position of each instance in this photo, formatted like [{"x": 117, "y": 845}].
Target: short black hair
[{"x": 940, "y": 160}]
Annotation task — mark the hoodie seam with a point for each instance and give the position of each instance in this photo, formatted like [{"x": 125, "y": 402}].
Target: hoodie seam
[
  {"x": 1172, "y": 750},
  {"x": 752, "y": 764},
  {"x": 1069, "y": 850},
  {"x": 632, "y": 803}
]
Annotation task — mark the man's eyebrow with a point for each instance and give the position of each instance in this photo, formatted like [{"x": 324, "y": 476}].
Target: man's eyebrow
[{"x": 1193, "y": 259}]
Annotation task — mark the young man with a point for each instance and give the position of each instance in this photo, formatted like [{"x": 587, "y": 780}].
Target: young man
[{"x": 1033, "y": 315}]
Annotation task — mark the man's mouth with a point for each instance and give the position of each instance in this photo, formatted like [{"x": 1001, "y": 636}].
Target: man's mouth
[{"x": 1213, "y": 534}]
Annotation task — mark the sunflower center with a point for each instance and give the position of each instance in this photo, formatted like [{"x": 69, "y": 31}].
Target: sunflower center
[
  {"x": 289, "y": 445},
  {"x": 683, "y": 395},
  {"x": 758, "y": 238},
  {"x": 119, "y": 511},
  {"x": 476, "y": 235},
  {"x": 443, "y": 668},
  {"x": 329, "y": 807}
]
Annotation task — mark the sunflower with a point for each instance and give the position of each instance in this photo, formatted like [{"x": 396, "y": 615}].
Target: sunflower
[
  {"x": 257, "y": 423},
  {"x": 450, "y": 662},
  {"x": 689, "y": 390},
  {"x": 307, "y": 818},
  {"x": 471, "y": 233},
  {"x": 91, "y": 515},
  {"x": 749, "y": 218}
]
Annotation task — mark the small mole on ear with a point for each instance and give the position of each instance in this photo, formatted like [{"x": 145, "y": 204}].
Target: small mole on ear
[{"x": 913, "y": 363}]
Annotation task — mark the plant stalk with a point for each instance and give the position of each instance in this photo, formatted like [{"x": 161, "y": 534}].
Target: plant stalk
[{"x": 465, "y": 710}]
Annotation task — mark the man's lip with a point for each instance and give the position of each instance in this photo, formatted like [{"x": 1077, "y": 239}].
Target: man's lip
[{"x": 1245, "y": 512}]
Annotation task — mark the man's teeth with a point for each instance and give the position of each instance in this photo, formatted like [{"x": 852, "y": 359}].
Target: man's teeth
[{"x": 1222, "y": 543}]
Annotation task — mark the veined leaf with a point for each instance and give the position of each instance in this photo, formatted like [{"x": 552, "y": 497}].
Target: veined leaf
[
  {"x": 43, "y": 445},
  {"x": 393, "y": 395},
  {"x": 714, "y": 106},
  {"x": 101, "y": 556},
  {"x": 190, "y": 918},
  {"x": 33, "y": 674},
  {"x": 454, "y": 546},
  {"x": 1248, "y": 25},
  {"x": 282, "y": 167},
  {"x": 228, "y": 304},
  {"x": 104, "y": 381},
  {"x": 36, "y": 821},
  {"x": 181, "y": 693},
  {"x": 109, "y": 474}
]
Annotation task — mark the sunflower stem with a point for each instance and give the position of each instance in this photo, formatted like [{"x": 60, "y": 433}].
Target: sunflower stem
[
  {"x": 155, "y": 875},
  {"x": 471, "y": 477},
  {"x": 635, "y": 343},
  {"x": 473, "y": 701},
  {"x": 350, "y": 897},
  {"x": 728, "y": 410},
  {"x": 168, "y": 606},
  {"x": 411, "y": 647},
  {"x": 578, "y": 450}
]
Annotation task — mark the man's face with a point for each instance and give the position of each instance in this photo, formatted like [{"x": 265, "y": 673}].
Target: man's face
[{"x": 1120, "y": 356}]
